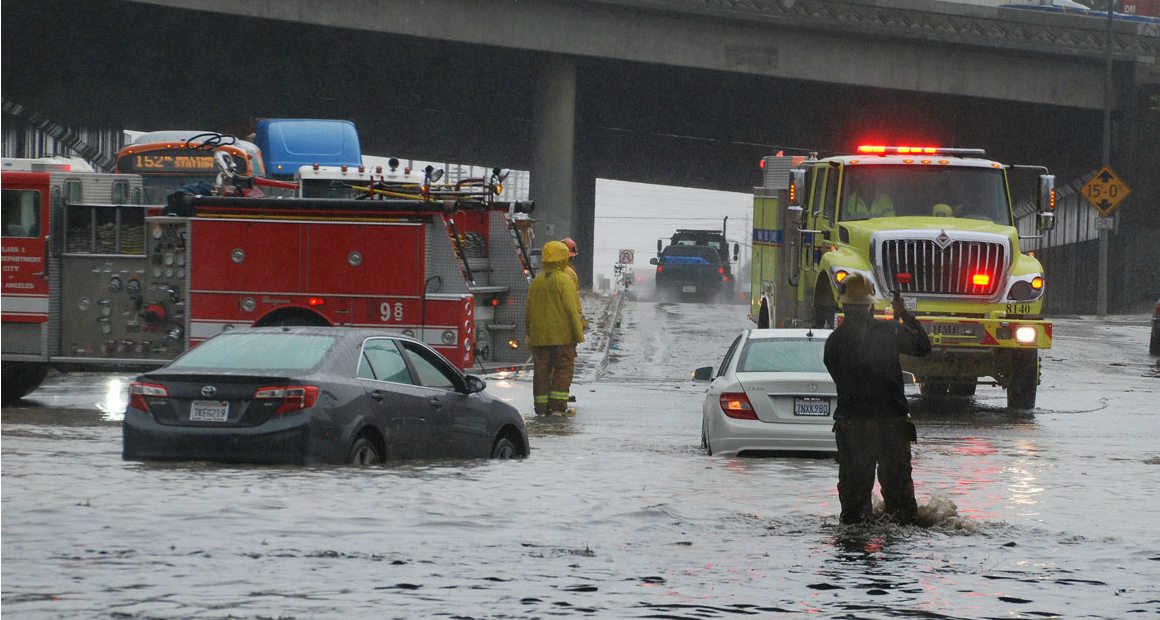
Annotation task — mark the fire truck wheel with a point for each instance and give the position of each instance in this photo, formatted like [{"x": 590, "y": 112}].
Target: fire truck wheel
[
  {"x": 963, "y": 389},
  {"x": 824, "y": 316},
  {"x": 932, "y": 389},
  {"x": 363, "y": 453},
  {"x": 20, "y": 378},
  {"x": 504, "y": 449},
  {"x": 1024, "y": 379}
]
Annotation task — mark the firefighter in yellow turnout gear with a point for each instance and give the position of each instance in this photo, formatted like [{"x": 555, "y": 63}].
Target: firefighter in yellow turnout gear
[{"x": 552, "y": 317}]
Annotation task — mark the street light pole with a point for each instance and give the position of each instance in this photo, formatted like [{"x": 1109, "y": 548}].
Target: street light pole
[{"x": 1102, "y": 287}]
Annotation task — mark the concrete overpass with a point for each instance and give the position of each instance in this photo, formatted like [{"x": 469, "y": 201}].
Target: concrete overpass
[{"x": 678, "y": 92}]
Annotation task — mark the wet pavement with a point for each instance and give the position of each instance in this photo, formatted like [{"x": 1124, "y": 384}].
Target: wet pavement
[{"x": 617, "y": 514}]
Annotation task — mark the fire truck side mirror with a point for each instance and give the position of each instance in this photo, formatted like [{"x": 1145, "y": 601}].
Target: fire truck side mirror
[
  {"x": 797, "y": 182},
  {"x": 736, "y": 250},
  {"x": 1046, "y": 203}
]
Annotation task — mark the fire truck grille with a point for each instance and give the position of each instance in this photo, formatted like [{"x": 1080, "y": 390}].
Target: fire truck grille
[{"x": 962, "y": 268}]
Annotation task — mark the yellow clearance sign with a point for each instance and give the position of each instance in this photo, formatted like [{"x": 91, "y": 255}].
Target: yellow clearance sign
[{"x": 1105, "y": 190}]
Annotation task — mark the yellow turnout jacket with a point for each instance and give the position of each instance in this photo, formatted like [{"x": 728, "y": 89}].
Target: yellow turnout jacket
[{"x": 552, "y": 314}]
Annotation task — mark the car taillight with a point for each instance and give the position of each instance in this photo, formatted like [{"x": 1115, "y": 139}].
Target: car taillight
[
  {"x": 138, "y": 392},
  {"x": 293, "y": 397},
  {"x": 736, "y": 405}
]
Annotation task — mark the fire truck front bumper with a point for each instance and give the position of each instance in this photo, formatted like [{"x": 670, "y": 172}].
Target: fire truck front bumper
[
  {"x": 283, "y": 441},
  {"x": 987, "y": 333}
]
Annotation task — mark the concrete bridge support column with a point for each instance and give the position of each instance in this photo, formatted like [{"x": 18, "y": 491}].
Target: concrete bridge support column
[{"x": 553, "y": 146}]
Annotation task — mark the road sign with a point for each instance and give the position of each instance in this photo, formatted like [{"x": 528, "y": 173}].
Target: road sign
[
  {"x": 626, "y": 256},
  {"x": 1105, "y": 190},
  {"x": 1105, "y": 223}
]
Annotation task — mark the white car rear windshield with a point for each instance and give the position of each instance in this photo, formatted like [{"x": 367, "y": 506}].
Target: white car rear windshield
[
  {"x": 242, "y": 351},
  {"x": 783, "y": 355}
]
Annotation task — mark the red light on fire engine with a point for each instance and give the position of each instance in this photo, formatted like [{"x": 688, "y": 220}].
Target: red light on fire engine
[
  {"x": 871, "y": 149},
  {"x": 761, "y": 164},
  {"x": 981, "y": 279},
  {"x": 720, "y": 270},
  {"x": 1052, "y": 199},
  {"x": 725, "y": 278},
  {"x": 316, "y": 301},
  {"x": 495, "y": 302},
  {"x": 792, "y": 193},
  {"x": 903, "y": 278}
]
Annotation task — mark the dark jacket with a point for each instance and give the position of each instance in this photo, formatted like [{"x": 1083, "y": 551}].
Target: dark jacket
[{"x": 862, "y": 357}]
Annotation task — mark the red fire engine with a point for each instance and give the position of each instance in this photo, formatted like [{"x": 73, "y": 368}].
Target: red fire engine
[{"x": 93, "y": 279}]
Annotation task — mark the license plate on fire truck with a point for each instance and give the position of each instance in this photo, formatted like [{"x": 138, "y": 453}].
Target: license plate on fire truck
[
  {"x": 811, "y": 406},
  {"x": 209, "y": 411}
]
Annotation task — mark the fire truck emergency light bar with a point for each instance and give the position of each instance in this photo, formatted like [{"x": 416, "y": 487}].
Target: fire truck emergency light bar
[{"x": 919, "y": 150}]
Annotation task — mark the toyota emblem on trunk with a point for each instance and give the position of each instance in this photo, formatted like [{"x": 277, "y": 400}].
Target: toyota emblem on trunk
[{"x": 208, "y": 390}]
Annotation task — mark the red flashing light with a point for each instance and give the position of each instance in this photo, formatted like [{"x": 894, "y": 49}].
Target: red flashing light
[
  {"x": 981, "y": 279},
  {"x": 294, "y": 397},
  {"x": 362, "y": 169},
  {"x": 725, "y": 279},
  {"x": 495, "y": 302},
  {"x": 315, "y": 166},
  {"x": 344, "y": 167},
  {"x": 903, "y": 278},
  {"x": 316, "y": 301},
  {"x": 872, "y": 149},
  {"x": 736, "y": 405},
  {"x": 720, "y": 270},
  {"x": 898, "y": 150},
  {"x": 761, "y": 164}
]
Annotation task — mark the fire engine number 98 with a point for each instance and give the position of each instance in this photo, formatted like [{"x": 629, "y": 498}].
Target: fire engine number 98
[{"x": 391, "y": 312}]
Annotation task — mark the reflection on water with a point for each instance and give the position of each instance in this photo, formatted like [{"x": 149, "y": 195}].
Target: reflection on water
[{"x": 116, "y": 399}]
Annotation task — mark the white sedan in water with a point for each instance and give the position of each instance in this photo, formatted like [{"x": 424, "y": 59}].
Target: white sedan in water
[{"x": 772, "y": 393}]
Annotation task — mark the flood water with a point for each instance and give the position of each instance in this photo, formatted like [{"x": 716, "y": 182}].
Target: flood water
[{"x": 617, "y": 513}]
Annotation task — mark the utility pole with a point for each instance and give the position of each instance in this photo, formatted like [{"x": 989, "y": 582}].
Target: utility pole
[{"x": 1102, "y": 293}]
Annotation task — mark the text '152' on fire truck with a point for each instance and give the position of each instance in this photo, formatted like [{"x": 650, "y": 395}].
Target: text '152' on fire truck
[
  {"x": 695, "y": 265},
  {"x": 934, "y": 224},
  {"x": 93, "y": 279}
]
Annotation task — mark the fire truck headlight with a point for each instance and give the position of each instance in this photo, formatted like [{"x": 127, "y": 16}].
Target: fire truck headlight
[{"x": 1026, "y": 334}]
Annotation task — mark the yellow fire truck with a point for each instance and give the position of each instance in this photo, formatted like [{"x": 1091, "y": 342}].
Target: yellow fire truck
[{"x": 933, "y": 224}]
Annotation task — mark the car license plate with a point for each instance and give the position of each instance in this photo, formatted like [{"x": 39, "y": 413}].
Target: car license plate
[
  {"x": 811, "y": 406},
  {"x": 910, "y": 303},
  {"x": 209, "y": 411},
  {"x": 689, "y": 288}
]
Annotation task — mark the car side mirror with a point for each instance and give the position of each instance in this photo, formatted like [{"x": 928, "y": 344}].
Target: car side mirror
[
  {"x": 704, "y": 373},
  {"x": 474, "y": 384},
  {"x": 653, "y": 261},
  {"x": 908, "y": 378}
]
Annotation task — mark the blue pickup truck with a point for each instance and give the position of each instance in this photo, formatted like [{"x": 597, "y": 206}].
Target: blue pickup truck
[{"x": 689, "y": 272}]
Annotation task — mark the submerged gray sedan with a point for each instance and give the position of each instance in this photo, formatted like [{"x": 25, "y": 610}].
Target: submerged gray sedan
[{"x": 303, "y": 395}]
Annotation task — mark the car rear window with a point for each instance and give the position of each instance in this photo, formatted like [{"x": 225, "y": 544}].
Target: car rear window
[
  {"x": 242, "y": 351},
  {"x": 783, "y": 355}
]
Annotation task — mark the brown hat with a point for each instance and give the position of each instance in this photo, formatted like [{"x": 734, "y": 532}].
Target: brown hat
[{"x": 856, "y": 289}]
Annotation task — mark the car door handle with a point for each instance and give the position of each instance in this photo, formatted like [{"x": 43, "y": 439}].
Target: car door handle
[
  {"x": 377, "y": 395},
  {"x": 435, "y": 403}
]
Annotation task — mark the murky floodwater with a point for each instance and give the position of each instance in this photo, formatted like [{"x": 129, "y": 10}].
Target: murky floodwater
[{"x": 617, "y": 514}]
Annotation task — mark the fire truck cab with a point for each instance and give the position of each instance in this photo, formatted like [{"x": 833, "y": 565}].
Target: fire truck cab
[{"x": 935, "y": 225}]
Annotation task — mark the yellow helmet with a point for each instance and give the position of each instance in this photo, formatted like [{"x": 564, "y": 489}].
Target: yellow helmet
[
  {"x": 856, "y": 289},
  {"x": 554, "y": 252}
]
